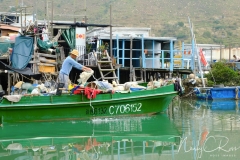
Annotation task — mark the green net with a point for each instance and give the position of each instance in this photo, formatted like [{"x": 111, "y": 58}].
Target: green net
[
  {"x": 45, "y": 45},
  {"x": 4, "y": 47}
]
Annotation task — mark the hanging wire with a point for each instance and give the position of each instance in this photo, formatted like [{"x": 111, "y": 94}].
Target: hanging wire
[
  {"x": 191, "y": 92},
  {"x": 27, "y": 77},
  {"x": 93, "y": 92},
  {"x": 212, "y": 76}
]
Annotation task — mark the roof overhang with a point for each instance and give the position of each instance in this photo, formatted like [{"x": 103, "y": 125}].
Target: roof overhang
[
  {"x": 139, "y": 38},
  {"x": 9, "y": 27}
]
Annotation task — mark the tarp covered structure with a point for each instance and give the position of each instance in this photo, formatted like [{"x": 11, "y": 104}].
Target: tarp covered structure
[
  {"x": 22, "y": 52},
  {"x": 70, "y": 37},
  {"x": 26, "y": 71},
  {"x": 45, "y": 45}
]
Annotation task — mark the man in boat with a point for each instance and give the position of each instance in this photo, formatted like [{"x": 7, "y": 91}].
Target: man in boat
[{"x": 67, "y": 65}]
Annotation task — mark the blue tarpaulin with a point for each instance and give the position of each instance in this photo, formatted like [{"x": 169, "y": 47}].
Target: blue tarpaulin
[{"x": 22, "y": 52}]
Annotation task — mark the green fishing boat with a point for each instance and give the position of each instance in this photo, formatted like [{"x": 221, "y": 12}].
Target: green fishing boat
[
  {"x": 16, "y": 108},
  {"x": 95, "y": 138}
]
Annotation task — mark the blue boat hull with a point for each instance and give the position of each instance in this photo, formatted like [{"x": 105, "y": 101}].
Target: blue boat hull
[{"x": 220, "y": 93}]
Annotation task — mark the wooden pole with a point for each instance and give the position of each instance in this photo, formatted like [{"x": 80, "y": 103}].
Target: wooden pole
[
  {"x": 21, "y": 22},
  {"x": 34, "y": 11},
  {"x": 45, "y": 15},
  {"x": 48, "y": 24},
  {"x": 9, "y": 84},
  {"x": 230, "y": 54},
  {"x": 25, "y": 17},
  {"x": 141, "y": 72},
  {"x": 145, "y": 75},
  {"x": 220, "y": 51},
  {"x": 52, "y": 21},
  {"x": 211, "y": 55},
  {"x": 111, "y": 55},
  {"x": 74, "y": 12},
  {"x": 133, "y": 75},
  {"x": 35, "y": 68}
]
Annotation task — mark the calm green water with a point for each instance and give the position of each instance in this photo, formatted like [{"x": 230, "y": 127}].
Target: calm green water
[{"x": 190, "y": 130}]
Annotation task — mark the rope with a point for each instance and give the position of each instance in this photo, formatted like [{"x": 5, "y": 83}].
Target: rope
[
  {"x": 212, "y": 76},
  {"x": 17, "y": 77},
  {"x": 27, "y": 78},
  {"x": 92, "y": 95},
  {"x": 93, "y": 92},
  {"x": 192, "y": 91}
]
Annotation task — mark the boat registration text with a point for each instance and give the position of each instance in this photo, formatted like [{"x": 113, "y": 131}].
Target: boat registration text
[{"x": 115, "y": 109}]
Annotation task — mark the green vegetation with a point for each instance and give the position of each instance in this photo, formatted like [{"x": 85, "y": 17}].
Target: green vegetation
[
  {"x": 213, "y": 21},
  {"x": 223, "y": 73},
  {"x": 206, "y": 34},
  {"x": 181, "y": 24}
]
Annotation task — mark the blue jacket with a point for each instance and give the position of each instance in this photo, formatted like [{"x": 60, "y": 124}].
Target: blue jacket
[{"x": 67, "y": 65}]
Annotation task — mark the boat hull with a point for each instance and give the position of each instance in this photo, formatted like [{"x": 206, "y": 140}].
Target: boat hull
[
  {"x": 66, "y": 107},
  {"x": 220, "y": 93}
]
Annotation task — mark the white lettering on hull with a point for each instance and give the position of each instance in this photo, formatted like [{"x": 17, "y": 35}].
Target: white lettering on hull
[{"x": 125, "y": 108}]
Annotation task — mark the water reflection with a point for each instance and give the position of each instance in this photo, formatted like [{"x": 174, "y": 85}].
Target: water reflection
[
  {"x": 190, "y": 129},
  {"x": 210, "y": 129},
  {"x": 124, "y": 138}
]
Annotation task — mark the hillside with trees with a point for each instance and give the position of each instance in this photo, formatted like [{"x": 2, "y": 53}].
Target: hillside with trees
[{"x": 214, "y": 21}]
